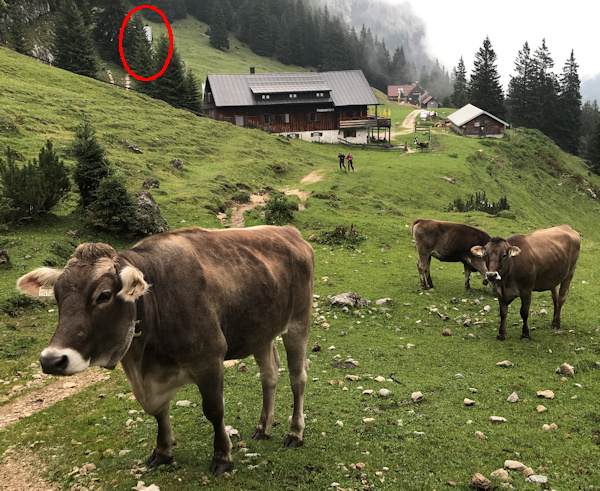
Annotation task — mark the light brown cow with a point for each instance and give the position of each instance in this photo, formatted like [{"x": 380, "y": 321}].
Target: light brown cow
[
  {"x": 447, "y": 242},
  {"x": 540, "y": 261},
  {"x": 174, "y": 307}
]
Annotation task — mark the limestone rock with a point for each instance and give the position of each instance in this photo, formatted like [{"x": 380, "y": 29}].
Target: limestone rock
[
  {"x": 514, "y": 465},
  {"x": 148, "y": 217},
  {"x": 350, "y": 298},
  {"x": 566, "y": 370},
  {"x": 500, "y": 475},
  {"x": 469, "y": 402},
  {"x": 513, "y": 398},
  {"x": 446, "y": 332},
  {"x": 497, "y": 419},
  {"x": 504, "y": 363},
  {"x": 541, "y": 409},
  {"x": 546, "y": 394},
  {"x": 479, "y": 481},
  {"x": 480, "y": 435},
  {"x": 537, "y": 478},
  {"x": 416, "y": 396},
  {"x": 4, "y": 257},
  {"x": 177, "y": 163},
  {"x": 150, "y": 183}
]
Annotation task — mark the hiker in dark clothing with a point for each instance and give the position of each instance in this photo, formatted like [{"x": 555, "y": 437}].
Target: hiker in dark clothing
[
  {"x": 341, "y": 156},
  {"x": 349, "y": 159}
]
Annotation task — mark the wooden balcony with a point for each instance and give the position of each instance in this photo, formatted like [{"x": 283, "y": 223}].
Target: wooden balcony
[{"x": 370, "y": 122}]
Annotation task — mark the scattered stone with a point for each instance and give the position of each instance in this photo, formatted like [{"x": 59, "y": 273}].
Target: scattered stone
[
  {"x": 316, "y": 347},
  {"x": 487, "y": 308},
  {"x": 504, "y": 363},
  {"x": 177, "y": 163},
  {"x": 368, "y": 420},
  {"x": 500, "y": 475},
  {"x": 360, "y": 465},
  {"x": 4, "y": 257},
  {"x": 479, "y": 481},
  {"x": 514, "y": 465},
  {"x": 142, "y": 487},
  {"x": 353, "y": 378},
  {"x": 513, "y": 398},
  {"x": 527, "y": 472},
  {"x": 543, "y": 312},
  {"x": 446, "y": 332},
  {"x": 480, "y": 435},
  {"x": 541, "y": 409},
  {"x": 416, "y": 396},
  {"x": 381, "y": 301},
  {"x": 150, "y": 183},
  {"x": 467, "y": 322},
  {"x": 380, "y": 379},
  {"x": 351, "y": 299},
  {"x": 537, "y": 478},
  {"x": 339, "y": 423},
  {"x": 469, "y": 402},
  {"x": 384, "y": 392},
  {"x": 367, "y": 392},
  {"x": 230, "y": 363},
  {"x": 242, "y": 367},
  {"x": 450, "y": 180},
  {"x": 459, "y": 375},
  {"x": 183, "y": 403},
  {"x": 546, "y": 394},
  {"x": 473, "y": 390},
  {"x": 349, "y": 363},
  {"x": 566, "y": 370},
  {"x": 132, "y": 146},
  {"x": 497, "y": 419},
  {"x": 551, "y": 426}
]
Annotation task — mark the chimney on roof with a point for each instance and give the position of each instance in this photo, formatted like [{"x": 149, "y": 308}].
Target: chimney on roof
[{"x": 252, "y": 70}]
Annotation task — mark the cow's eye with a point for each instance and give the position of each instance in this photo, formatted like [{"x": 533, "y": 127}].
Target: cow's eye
[
  {"x": 104, "y": 297},
  {"x": 504, "y": 255}
]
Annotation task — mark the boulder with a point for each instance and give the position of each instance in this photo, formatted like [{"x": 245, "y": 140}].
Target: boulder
[
  {"x": 150, "y": 183},
  {"x": 4, "y": 257},
  {"x": 148, "y": 217},
  {"x": 351, "y": 299},
  {"x": 177, "y": 163},
  {"x": 479, "y": 481}
]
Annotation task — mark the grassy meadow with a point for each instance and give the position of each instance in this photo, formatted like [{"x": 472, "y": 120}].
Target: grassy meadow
[{"x": 410, "y": 446}]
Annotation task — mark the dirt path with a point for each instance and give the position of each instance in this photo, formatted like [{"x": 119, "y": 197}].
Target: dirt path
[{"x": 408, "y": 124}]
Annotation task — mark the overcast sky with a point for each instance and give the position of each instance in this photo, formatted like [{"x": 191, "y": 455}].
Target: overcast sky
[{"x": 456, "y": 29}]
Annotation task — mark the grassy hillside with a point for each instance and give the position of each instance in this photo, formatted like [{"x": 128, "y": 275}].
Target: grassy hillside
[{"x": 408, "y": 445}]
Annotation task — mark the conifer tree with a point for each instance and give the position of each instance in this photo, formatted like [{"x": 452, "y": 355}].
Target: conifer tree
[
  {"x": 593, "y": 151},
  {"x": 522, "y": 97},
  {"x": 107, "y": 29},
  {"x": 191, "y": 97},
  {"x": 219, "y": 37},
  {"x": 112, "y": 207},
  {"x": 170, "y": 86},
  {"x": 569, "y": 107},
  {"x": 74, "y": 48},
  {"x": 460, "y": 96},
  {"x": 18, "y": 40},
  {"x": 485, "y": 90},
  {"x": 283, "y": 49},
  {"x": 398, "y": 69},
  {"x": 91, "y": 166},
  {"x": 546, "y": 88},
  {"x": 141, "y": 60}
]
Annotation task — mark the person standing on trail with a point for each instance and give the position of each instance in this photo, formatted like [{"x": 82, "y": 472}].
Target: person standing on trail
[
  {"x": 349, "y": 159},
  {"x": 341, "y": 156}
]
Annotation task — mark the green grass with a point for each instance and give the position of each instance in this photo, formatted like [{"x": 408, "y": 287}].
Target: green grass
[{"x": 544, "y": 187}]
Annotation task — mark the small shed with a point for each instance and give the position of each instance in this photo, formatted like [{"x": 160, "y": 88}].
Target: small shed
[{"x": 473, "y": 122}]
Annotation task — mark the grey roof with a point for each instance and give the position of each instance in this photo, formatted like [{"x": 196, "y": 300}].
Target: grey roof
[
  {"x": 347, "y": 88},
  {"x": 468, "y": 113}
]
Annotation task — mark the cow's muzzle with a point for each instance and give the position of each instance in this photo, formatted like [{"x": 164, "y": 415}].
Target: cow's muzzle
[
  {"x": 493, "y": 276},
  {"x": 62, "y": 361}
]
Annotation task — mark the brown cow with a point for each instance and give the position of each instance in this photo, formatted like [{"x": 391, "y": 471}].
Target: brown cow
[
  {"x": 447, "y": 242},
  {"x": 540, "y": 261},
  {"x": 174, "y": 307}
]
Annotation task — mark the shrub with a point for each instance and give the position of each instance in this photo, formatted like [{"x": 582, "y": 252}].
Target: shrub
[
  {"x": 17, "y": 304},
  {"x": 113, "y": 207},
  {"x": 278, "y": 211},
  {"x": 34, "y": 188},
  {"x": 341, "y": 235},
  {"x": 241, "y": 197},
  {"x": 479, "y": 202}
]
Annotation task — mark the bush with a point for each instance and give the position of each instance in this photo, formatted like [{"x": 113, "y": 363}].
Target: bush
[
  {"x": 479, "y": 202},
  {"x": 341, "y": 235},
  {"x": 241, "y": 197},
  {"x": 278, "y": 211},
  {"x": 113, "y": 207},
  {"x": 34, "y": 188},
  {"x": 17, "y": 304}
]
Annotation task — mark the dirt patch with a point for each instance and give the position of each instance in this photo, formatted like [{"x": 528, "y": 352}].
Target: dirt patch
[
  {"x": 25, "y": 406},
  {"x": 21, "y": 473},
  {"x": 314, "y": 176},
  {"x": 237, "y": 217}
]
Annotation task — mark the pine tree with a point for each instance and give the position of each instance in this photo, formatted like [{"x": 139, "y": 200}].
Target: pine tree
[
  {"x": 74, "y": 48},
  {"x": 53, "y": 175},
  {"x": 569, "y": 107},
  {"x": 170, "y": 86},
  {"x": 593, "y": 151},
  {"x": 522, "y": 96},
  {"x": 91, "y": 163},
  {"x": 18, "y": 33},
  {"x": 460, "y": 96},
  {"x": 283, "y": 49},
  {"x": 219, "y": 37},
  {"x": 112, "y": 207},
  {"x": 546, "y": 88},
  {"x": 191, "y": 97},
  {"x": 141, "y": 60},
  {"x": 485, "y": 90},
  {"x": 398, "y": 68},
  {"x": 590, "y": 114},
  {"x": 108, "y": 27}
]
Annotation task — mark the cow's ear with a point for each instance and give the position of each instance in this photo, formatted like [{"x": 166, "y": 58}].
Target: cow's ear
[
  {"x": 39, "y": 283},
  {"x": 478, "y": 251},
  {"x": 133, "y": 282},
  {"x": 514, "y": 251}
]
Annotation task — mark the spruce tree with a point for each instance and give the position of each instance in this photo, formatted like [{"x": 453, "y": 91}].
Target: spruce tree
[
  {"x": 593, "y": 151},
  {"x": 170, "y": 86},
  {"x": 108, "y": 26},
  {"x": 283, "y": 49},
  {"x": 91, "y": 166},
  {"x": 219, "y": 37},
  {"x": 569, "y": 107},
  {"x": 398, "y": 69},
  {"x": 521, "y": 97},
  {"x": 141, "y": 60},
  {"x": 485, "y": 90},
  {"x": 18, "y": 31},
  {"x": 546, "y": 88},
  {"x": 112, "y": 207},
  {"x": 191, "y": 96},
  {"x": 74, "y": 48},
  {"x": 460, "y": 96}
]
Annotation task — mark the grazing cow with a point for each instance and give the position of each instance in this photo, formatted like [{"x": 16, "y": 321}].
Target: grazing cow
[
  {"x": 173, "y": 307},
  {"x": 447, "y": 242},
  {"x": 543, "y": 260}
]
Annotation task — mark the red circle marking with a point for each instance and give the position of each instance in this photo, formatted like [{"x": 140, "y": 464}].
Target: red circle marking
[{"x": 129, "y": 70}]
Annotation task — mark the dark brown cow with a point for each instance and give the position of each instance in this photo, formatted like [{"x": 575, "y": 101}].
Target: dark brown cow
[
  {"x": 447, "y": 242},
  {"x": 543, "y": 260},
  {"x": 174, "y": 307}
]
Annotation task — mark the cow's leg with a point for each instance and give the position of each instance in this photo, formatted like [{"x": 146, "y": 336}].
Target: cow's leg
[
  {"x": 562, "y": 294},
  {"x": 424, "y": 266},
  {"x": 210, "y": 383},
  {"x": 295, "y": 341},
  {"x": 268, "y": 362},
  {"x": 525, "y": 304},
  {"x": 163, "y": 453},
  {"x": 468, "y": 272},
  {"x": 503, "y": 313}
]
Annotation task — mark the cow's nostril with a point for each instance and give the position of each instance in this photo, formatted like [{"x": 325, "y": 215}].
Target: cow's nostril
[{"x": 54, "y": 364}]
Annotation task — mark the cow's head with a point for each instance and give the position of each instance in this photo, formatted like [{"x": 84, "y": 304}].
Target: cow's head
[
  {"x": 497, "y": 253},
  {"x": 96, "y": 308}
]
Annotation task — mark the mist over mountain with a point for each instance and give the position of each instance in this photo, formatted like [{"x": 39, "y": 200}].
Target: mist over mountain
[
  {"x": 590, "y": 88},
  {"x": 398, "y": 25}
]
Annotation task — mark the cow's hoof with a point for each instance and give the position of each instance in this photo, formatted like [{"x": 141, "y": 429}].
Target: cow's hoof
[
  {"x": 260, "y": 435},
  {"x": 157, "y": 459},
  {"x": 293, "y": 442},
  {"x": 500, "y": 338},
  {"x": 524, "y": 339},
  {"x": 220, "y": 467},
  {"x": 555, "y": 326}
]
